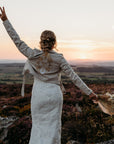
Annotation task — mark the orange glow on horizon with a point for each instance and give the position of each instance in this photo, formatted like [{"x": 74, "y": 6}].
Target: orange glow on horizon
[
  {"x": 83, "y": 57},
  {"x": 71, "y": 50}
]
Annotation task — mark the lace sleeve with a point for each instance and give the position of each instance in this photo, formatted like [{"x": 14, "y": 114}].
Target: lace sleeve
[
  {"x": 21, "y": 45},
  {"x": 67, "y": 69}
]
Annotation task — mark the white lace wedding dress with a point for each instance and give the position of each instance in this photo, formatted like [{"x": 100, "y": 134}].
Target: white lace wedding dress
[
  {"x": 47, "y": 98},
  {"x": 46, "y": 111}
]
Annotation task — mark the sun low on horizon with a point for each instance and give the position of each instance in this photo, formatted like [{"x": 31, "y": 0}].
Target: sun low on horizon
[
  {"x": 71, "y": 51},
  {"x": 83, "y": 57},
  {"x": 84, "y": 29}
]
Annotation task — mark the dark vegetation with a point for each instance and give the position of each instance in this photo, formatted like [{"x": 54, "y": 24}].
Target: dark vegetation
[{"x": 88, "y": 126}]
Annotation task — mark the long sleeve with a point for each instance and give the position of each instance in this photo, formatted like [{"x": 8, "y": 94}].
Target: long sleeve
[
  {"x": 67, "y": 69},
  {"x": 21, "y": 45}
]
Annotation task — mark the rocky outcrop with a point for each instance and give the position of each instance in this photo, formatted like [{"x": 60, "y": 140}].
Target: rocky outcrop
[
  {"x": 107, "y": 142},
  {"x": 19, "y": 131},
  {"x": 5, "y": 122},
  {"x": 82, "y": 121},
  {"x": 73, "y": 142},
  {"x": 77, "y": 142}
]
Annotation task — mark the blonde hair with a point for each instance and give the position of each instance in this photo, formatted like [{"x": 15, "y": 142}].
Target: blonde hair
[
  {"x": 47, "y": 40},
  {"x": 47, "y": 43}
]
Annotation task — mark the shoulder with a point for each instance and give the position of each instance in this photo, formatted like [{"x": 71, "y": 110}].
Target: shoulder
[
  {"x": 59, "y": 58},
  {"x": 36, "y": 50},
  {"x": 55, "y": 55},
  {"x": 62, "y": 59}
]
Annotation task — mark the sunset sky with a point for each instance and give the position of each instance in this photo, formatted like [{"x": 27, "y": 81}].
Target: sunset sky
[{"x": 84, "y": 28}]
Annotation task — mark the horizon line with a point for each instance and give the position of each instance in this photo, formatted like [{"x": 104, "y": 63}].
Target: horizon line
[{"x": 73, "y": 60}]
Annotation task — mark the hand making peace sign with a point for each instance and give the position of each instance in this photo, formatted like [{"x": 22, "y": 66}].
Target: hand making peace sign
[{"x": 3, "y": 14}]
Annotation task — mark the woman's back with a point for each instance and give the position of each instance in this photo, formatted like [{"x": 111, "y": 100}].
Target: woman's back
[
  {"x": 41, "y": 62},
  {"x": 47, "y": 98}
]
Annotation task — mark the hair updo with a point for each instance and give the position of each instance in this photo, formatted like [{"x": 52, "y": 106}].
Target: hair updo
[
  {"x": 47, "y": 43},
  {"x": 47, "y": 40}
]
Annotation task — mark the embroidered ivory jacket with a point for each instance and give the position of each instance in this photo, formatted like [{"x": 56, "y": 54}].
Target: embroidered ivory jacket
[{"x": 37, "y": 69}]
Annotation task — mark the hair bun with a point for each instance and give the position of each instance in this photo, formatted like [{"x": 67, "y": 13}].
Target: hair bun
[{"x": 48, "y": 40}]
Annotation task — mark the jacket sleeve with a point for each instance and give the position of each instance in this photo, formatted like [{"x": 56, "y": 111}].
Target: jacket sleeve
[
  {"x": 67, "y": 69},
  {"x": 21, "y": 45}
]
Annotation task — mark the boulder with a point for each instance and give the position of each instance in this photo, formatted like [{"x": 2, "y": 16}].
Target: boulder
[{"x": 19, "y": 131}]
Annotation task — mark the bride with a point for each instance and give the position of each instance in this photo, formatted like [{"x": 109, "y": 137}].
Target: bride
[{"x": 46, "y": 66}]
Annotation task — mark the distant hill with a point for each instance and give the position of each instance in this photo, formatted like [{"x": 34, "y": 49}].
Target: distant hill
[
  {"x": 11, "y": 61},
  {"x": 72, "y": 62},
  {"x": 92, "y": 63}
]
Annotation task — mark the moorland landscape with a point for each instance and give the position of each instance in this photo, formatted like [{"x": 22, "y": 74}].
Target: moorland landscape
[{"x": 82, "y": 121}]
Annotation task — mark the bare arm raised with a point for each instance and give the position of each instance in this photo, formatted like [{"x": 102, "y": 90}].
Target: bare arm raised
[{"x": 21, "y": 45}]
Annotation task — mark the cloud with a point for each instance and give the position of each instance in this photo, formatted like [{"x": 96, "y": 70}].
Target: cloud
[
  {"x": 96, "y": 50},
  {"x": 77, "y": 44}
]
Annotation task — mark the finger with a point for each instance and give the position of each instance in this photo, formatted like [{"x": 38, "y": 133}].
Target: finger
[{"x": 1, "y": 9}]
